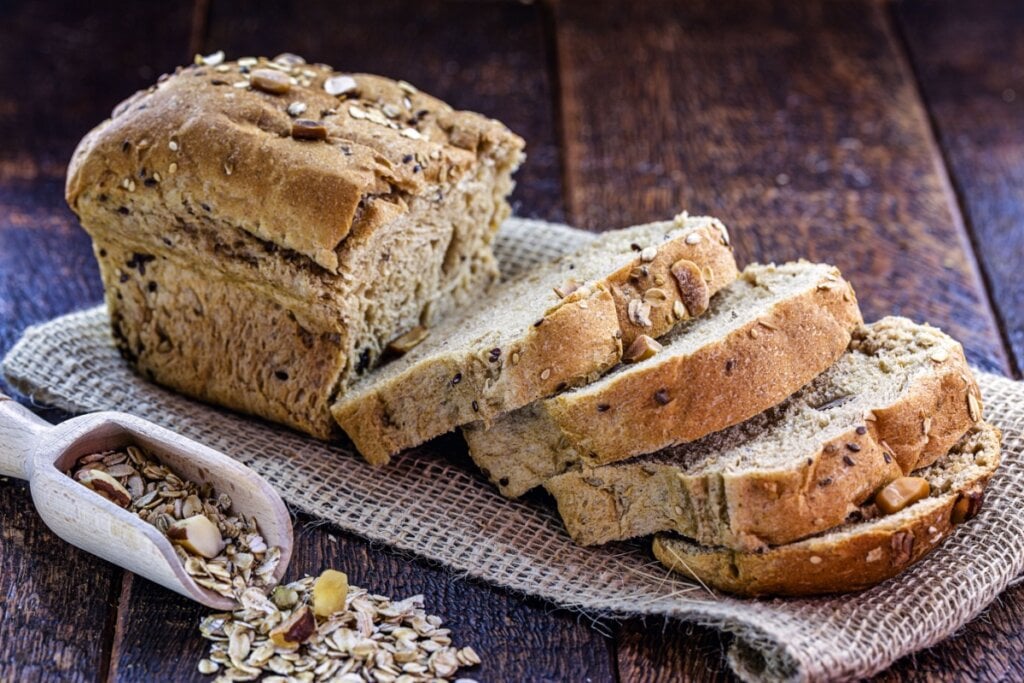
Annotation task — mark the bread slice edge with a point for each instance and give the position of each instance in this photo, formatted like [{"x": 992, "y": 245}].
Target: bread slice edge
[{"x": 856, "y": 557}]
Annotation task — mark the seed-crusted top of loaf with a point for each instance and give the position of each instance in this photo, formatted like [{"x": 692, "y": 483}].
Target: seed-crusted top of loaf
[{"x": 296, "y": 154}]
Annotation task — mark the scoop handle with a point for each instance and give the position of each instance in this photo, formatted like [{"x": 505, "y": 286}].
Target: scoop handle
[{"x": 20, "y": 430}]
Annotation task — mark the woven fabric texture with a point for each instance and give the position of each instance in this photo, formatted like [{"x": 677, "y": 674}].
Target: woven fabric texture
[{"x": 431, "y": 503}]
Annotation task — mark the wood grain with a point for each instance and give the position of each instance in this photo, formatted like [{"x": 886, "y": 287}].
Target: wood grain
[
  {"x": 796, "y": 123},
  {"x": 969, "y": 58},
  {"x": 63, "y": 66},
  {"x": 55, "y": 601}
]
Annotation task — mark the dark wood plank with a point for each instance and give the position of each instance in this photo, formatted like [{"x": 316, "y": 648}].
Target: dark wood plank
[
  {"x": 796, "y": 123},
  {"x": 482, "y": 56},
  {"x": 514, "y": 642},
  {"x": 990, "y": 648},
  {"x": 63, "y": 66},
  {"x": 665, "y": 652},
  {"x": 969, "y": 58},
  {"x": 55, "y": 601}
]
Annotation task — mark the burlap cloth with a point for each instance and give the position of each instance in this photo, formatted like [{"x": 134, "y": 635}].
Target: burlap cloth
[{"x": 448, "y": 513}]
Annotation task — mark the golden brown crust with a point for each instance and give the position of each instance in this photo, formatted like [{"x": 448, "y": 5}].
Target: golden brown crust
[
  {"x": 725, "y": 383},
  {"x": 569, "y": 345},
  {"x": 854, "y": 558},
  {"x": 232, "y": 146},
  {"x": 646, "y": 291},
  {"x": 303, "y": 258},
  {"x": 673, "y": 401},
  {"x": 446, "y": 391},
  {"x": 750, "y": 509}
]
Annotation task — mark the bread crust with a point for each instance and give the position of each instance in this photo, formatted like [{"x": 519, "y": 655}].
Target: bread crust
[
  {"x": 861, "y": 556},
  {"x": 682, "y": 399},
  {"x": 571, "y": 344},
  {"x": 441, "y": 393},
  {"x": 750, "y": 509},
  {"x": 303, "y": 258},
  {"x": 232, "y": 147}
]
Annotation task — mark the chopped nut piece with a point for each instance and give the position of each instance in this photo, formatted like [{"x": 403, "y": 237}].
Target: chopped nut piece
[
  {"x": 939, "y": 355},
  {"x": 408, "y": 341},
  {"x": 211, "y": 59},
  {"x": 568, "y": 287},
  {"x": 639, "y": 312},
  {"x": 693, "y": 290},
  {"x": 901, "y": 493},
  {"x": 678, "y": 310},
  {"x": 655, "y": 296},
  {"x": 207, "y": 666},
  {"x": 270, "y": 81},
  {"x": 198, "y": 535},
  {"x": 305, "y": 129},
  {"x": 967, "y": 506},
  {"x": 973, "y": 407},
  {"x": 105, "y": 485},
  {"x": 296, "y": 108},
  {"x": 289, "y": 59},
  {"x": 294, "y": 630},
  {"x": 340, "y": 85},
  {"x": 329, "y": 592},
  {"x": 642, "y": 348},
  {"x": 902, "y": 546}
]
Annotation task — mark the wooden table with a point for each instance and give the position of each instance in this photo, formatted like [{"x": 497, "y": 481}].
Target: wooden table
[{"x": 885, "y": 138}]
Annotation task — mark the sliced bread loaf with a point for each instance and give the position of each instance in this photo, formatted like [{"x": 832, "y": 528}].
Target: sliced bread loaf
[
  {"x": 763, "y": 337},
  {"x": 859, "y": 554},
  {"x": 897, "y": 400},
  {"x": 562, "y": 325}
]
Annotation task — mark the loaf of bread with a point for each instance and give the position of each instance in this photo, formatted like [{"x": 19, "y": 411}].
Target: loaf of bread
[
  {"x": 896, "y": 401},
  {"x": 861, "y": 553},
  {"x": 764, "y": 336},
  {"x": 560, "y": 326},
  {"x": 265, "y": 228}
]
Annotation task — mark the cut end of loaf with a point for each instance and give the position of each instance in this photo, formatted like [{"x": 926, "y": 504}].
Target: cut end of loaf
[
  {"x": 558, "y": 327},
  {"x": 857, "y": 555},
  {"x": 902, "y": 392},
  {"x": 762, "y": 338}
]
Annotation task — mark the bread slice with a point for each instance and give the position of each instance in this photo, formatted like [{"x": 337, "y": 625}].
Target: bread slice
[
  {"x": 562, "y": 325},
  {"x": 263, "y": 264},
  {"x": 764, "y": 336},
  {"x": 897, "y": 400},
  {"x": 857, "y": 555}
]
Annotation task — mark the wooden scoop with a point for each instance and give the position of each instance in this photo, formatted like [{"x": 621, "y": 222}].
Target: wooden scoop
[{"x": 35, "y": 450}]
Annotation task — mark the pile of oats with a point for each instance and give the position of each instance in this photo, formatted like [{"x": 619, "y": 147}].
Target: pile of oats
[
  {"x": 348, "y": 636},
  {"x": 223, "y": 551}
]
